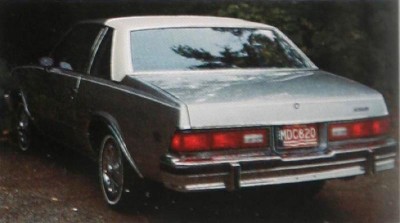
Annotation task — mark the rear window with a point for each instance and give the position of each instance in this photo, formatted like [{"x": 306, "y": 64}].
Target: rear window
[{"x": 212, "y": 48}]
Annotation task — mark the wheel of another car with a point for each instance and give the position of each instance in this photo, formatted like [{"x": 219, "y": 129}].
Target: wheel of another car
[
  {"x": 112, "y": 172},
  {"x": 24, "y": 130}
]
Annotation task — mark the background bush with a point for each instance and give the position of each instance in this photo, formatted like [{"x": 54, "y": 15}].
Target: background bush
[{"x": 355, "y": 39}]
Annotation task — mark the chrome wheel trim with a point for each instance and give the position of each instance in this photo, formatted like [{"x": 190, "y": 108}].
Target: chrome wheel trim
[
  {"x": 23, "y": 131},
  {"x": 111, "y": 170}
]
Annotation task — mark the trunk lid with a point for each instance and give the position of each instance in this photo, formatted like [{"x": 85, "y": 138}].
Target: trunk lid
[{"x": 264, "y": 97}]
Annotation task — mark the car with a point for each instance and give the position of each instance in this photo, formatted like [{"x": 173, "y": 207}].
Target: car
[{"x": 200, "y": 103}]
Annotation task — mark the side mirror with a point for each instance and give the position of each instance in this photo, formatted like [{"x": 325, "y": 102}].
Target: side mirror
[
  {"x": 65, "y": 65},
  {"x": 46, "y": 62}
]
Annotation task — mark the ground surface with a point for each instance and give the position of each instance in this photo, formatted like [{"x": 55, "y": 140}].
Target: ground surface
[{"x": 57, "y": 186}]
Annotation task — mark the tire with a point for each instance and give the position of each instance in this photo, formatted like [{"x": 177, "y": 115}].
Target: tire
[
  {"x": 113, "y": 173},
  {"x": 23, "y": 130}
]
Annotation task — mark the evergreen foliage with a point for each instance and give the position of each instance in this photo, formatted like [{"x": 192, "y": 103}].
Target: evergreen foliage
[{"x": 355, "y": 39}]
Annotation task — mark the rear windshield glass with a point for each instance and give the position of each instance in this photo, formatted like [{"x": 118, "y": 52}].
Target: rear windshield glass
[{"x": 211, "y": 48}]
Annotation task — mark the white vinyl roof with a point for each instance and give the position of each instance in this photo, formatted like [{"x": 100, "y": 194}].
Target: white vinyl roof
[
  {"x": 121, "y": 63},
  {"x": 149, "y": 22}
]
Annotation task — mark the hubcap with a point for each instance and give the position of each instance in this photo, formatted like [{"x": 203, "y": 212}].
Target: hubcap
[
  {"x": 111, "y": 171},
  {"x": 23, "y": 131}
]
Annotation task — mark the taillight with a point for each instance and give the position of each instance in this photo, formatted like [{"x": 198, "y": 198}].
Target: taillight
[
  {"x": 223, "y": 140},
  {"x": 358, "y": 129},
  {"x": 381, "y": 127},
  {"x": 217, "y": 140}
]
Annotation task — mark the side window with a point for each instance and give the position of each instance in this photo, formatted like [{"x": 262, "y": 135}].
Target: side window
[
  {"x": 101, "y": 66},
  {"x": 74, "y": 51}
]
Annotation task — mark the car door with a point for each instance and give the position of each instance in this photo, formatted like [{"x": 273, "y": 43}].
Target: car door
[
  {"x": 94, "y": 86},
  {"x": 72, "y": 58}
]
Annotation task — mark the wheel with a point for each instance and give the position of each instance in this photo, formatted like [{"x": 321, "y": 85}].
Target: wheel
[
  {"x": 112, "y": 172},
  {"x": 23, "y": 130}
]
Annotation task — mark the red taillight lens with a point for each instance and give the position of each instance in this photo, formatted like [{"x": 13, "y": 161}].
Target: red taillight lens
[
  {"x": 190, "y": 142},
  {"x": 381, "y": 127},
  {"x": 233, "y": 139},
  {"x": 225, "y": 140},
  {"x": 359, "y": 129}
]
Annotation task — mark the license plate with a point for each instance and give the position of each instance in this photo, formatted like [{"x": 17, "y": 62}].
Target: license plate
[{"x": 298, "y": 136}]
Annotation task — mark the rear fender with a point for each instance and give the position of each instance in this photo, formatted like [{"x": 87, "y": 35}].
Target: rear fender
[{"x": 113, "y": 127}]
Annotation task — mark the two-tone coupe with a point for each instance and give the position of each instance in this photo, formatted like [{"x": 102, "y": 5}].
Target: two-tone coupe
[{"x": 200, "y": 103}]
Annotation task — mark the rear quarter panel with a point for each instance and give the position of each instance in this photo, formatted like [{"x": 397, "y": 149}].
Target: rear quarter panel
[{"x": 146, "y": 123}]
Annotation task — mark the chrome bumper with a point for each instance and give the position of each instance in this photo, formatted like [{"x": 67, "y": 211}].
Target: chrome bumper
[{"x": 238, "y": 172}]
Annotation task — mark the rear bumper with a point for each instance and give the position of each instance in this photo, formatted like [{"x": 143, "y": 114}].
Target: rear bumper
[{"x": 257, "y": 170}]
